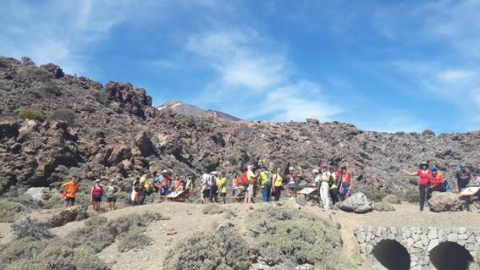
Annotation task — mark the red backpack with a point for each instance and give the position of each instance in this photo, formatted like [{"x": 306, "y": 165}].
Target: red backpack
[{"x": 244, "y": 179}]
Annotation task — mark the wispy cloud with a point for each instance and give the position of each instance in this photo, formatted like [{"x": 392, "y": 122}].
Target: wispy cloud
[
  {"x": 237, "y": 60},
  {"x": 256, "y": 76},
  {"x": 62, "y": 31}
]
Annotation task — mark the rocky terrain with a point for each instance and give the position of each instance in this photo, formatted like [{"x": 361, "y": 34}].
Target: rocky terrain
[{"x": 54, "y": 126}]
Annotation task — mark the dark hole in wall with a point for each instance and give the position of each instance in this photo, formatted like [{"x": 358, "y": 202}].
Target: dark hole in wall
[
  {"x": 392, "y": 255},
  {"x": 450, "y": 256}
]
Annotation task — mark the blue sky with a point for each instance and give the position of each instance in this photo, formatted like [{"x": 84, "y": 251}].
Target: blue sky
[{"x": 381, "y": 65}]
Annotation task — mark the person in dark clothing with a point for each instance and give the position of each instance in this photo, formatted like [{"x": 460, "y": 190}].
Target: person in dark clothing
[
  {"x": 425, "y": 174},
  {"x": 464, "y": 177}
]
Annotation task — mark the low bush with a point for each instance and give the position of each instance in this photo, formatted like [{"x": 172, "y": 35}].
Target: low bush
[
  {"x": 98, "y": 233},
  {"x": 392, "y": 199},
  {"x": 10, "y": 211},
  {"x": 384, "y": 207},
  {"x": 224, "y": 249},
  {"x": 29, "y": 253},
  {"x": 282, "y": 234},
  {"x": 134, "y": 241},
  {"x": 212, "y": 209},
  {"x": 31, "y": 114},
  {"x": 413, "y": 196},
  {"x": 30, "y": 227},
  {"x": 65, "y": 115}
]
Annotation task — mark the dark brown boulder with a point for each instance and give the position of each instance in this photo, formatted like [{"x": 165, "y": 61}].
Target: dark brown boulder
[{"x": 145, "y": 145}]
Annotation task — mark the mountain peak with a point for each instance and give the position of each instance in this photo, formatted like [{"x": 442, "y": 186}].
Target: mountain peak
[{"x": 183, "y": 108}]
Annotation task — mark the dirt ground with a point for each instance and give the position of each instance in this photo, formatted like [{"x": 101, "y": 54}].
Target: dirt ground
[{"x": 187, "y": 219}]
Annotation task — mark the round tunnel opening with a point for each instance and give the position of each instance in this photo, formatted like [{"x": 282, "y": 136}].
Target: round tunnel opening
[
  {"x": 449, "y": 255},
  {"x": 392, "y": 255}
]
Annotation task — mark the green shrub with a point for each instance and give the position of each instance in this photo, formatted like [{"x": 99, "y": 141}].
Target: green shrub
[
  {"x": 98, "y": 234},
  {"x": 29, "y": 253},
  {"x": 212, "y": 209},
  {"x": 392, "y": 199},
  {"x": 30, "y": 227},
  {"x": 224, "y": 249},
  {"x": 288, "y": 234},
  {"x": 31, "y": 114},
  {"x": 10, "y": 211},
  {"x": 134, "y": 241},
  {"x": 384, "y": 207},
  {"x": 413, "y": 196},
  {"x": 65, "y": 115}
]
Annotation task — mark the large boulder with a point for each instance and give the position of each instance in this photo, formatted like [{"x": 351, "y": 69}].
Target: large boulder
[
  {"x": 119, "y": 153},
  {"x": 59, "y": 217},
  {"x": 445, "y": 202},
  {"x": 145, "y": 145},
  {"x": 357, "y": 203},
  {"x": 37, "y": 193}
]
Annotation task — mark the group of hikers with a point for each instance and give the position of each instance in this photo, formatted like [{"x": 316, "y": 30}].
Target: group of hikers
[
  {"x": 433, "y": 178},
  {"x": 329, "y": 185},
  {"x": 334, "y": 184}
]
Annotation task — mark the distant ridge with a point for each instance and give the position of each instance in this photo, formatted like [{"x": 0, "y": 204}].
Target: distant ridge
[{"x": 190, "y": 110}]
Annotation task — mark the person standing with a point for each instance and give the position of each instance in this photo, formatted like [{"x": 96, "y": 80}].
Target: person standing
[
  {"x": 206, "y": 179},
  {"x": 222, "y": 187},
  {"x": 292, "y": 179},
  {"x": 265, "y": 178},
  {"x": 164, "y": 183},
  {"x": 71, "y": 188},
  {"x": 251, "y": 184},
  {"x": 277, "y": 184},
  {"x": 464, "y": 177},
  {"x": 333, "y": 184},
  {"x": 112, "y": 192},
  {"x": 325, "y": 176},
  {"x": 96, "y": 194},
  {"x": 144, "y": 188},
  {"x": 425, "y": 174},
  {"x": 345, "y": 183}
]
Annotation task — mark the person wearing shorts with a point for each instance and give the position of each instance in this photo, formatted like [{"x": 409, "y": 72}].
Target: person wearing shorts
[
  {"x": 96, "y": 195},
  {"x": 206, "y": 178},
  {"x": 71, "y": 189},
  {"x": 112, "y": 192},
  {"x": 222, "y": 187}
]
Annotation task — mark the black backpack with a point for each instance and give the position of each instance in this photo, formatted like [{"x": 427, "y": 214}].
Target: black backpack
[{"x": 136, "y": 186}]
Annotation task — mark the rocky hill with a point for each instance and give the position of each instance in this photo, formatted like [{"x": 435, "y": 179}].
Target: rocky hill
[
  {"x": 54, "y": 126},
  {"x": 191, "y": 110}
]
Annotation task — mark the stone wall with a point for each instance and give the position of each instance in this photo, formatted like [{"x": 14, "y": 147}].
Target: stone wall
[{"x": 418, "y": 241}]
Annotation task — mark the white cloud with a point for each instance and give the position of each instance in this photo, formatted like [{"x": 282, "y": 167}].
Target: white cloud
[
  {"x": 456, "y": 76},
  {"x": 62, "y": 31},
  {"x": 297, "y": 102},
  {"x": 254, "y": 78},
  {"x": 238, "y": 63}
]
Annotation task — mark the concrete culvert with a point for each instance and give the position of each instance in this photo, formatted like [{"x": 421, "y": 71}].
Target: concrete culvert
[
  {"x": 392, "y": 255},
  {"x": 449, "y": 255}
]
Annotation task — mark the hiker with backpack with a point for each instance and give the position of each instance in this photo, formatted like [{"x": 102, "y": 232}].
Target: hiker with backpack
[
  {"x": 206, "y": 187},
  {"x": 249, "y": 177},
  {"x": 164, "y": 184},
  {"x": 277, "y": 181},
  {"x": 144, "y": 189},
  {"x": 333, "y": 187},
  {"x": 96, "y": 194},
  {"x": 265, "y": 178},
  {"x": 213, "y": 187},
  {"x": 325, "y": 179}
]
